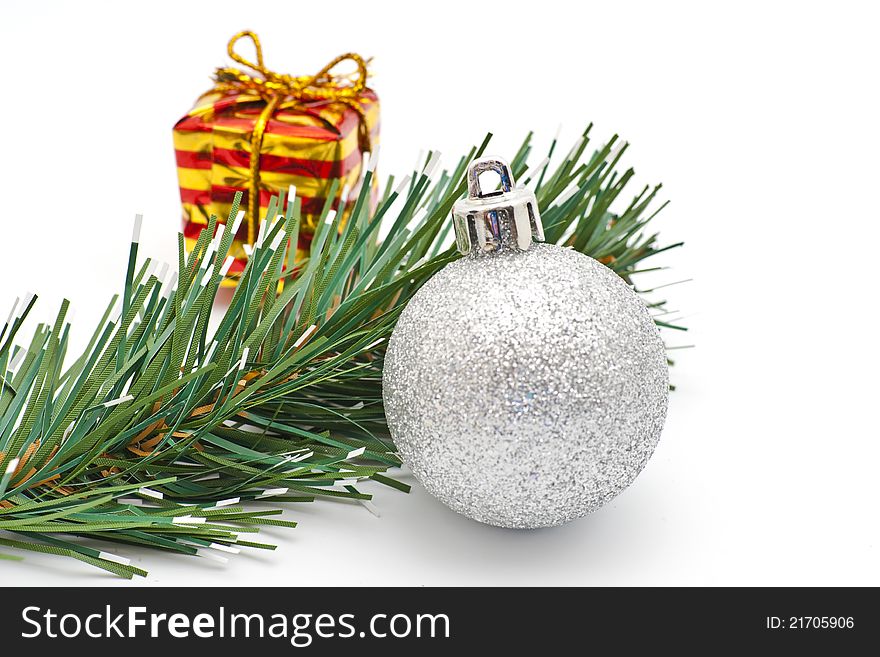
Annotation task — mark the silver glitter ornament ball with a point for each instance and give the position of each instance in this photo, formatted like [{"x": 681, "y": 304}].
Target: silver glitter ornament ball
[{"x": 525, "y": 384}]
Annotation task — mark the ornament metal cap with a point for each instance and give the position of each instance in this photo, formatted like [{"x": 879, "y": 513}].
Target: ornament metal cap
[{"x": 502, "y": 220}]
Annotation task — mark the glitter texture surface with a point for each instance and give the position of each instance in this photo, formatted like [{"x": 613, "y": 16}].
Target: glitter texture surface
[{"x": 525, "y": 389}]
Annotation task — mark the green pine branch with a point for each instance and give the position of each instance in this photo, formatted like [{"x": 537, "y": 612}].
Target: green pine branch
[{"x": 167, "y": 435}]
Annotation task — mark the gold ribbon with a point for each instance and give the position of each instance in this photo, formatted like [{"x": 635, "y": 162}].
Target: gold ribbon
[{"x": 277, "y": 88}]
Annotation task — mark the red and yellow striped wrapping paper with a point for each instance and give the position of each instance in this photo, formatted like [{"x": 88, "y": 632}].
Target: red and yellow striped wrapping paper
[{"x": 306, "y": 144}]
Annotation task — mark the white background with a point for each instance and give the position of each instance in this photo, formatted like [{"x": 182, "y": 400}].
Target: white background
[{"x": 761, "y": 119}]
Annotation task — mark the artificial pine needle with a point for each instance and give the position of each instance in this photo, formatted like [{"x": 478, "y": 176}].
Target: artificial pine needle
[{"x": 165, "y": 435}]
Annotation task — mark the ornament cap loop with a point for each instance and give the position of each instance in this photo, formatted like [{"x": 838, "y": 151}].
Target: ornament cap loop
[{"x": 506, "y": 219}]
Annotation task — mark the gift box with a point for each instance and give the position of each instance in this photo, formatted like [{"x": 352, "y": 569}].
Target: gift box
[{"x": 260, "y": 132}]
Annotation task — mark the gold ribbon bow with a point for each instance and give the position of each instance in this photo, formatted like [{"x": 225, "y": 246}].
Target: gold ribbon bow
[{"x": 278, "y": 88}]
